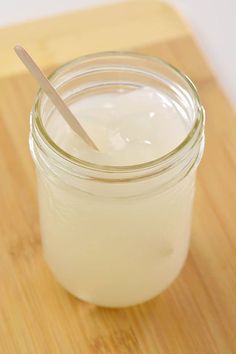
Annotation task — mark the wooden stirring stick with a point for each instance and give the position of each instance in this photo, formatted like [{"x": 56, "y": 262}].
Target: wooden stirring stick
[{"x": 53, "y": 95}]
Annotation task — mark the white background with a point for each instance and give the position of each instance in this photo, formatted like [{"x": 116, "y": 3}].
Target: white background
[
  {"x": 213, "y": 22},
  {"x": 214, "y": 25}
]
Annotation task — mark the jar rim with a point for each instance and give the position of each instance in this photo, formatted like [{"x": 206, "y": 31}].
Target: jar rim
[{"x": 38, "y": 126}]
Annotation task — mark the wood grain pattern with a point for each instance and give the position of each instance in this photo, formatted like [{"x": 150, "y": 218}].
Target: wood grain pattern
[
  {"x": 197, "y": 314},
  {"x": 120, "y": 26}
]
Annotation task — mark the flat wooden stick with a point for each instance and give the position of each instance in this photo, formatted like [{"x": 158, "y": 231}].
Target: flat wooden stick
[{"x": 53, "y": 95}]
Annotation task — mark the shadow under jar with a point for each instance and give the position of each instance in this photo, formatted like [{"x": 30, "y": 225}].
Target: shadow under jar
[{"x": 116, "y": 234}]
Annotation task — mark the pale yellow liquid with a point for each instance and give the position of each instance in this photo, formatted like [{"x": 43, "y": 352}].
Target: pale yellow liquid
[{"x": 114, "y": 244}]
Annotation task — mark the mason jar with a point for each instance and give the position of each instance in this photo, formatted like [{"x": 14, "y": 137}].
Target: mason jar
[{"x": 116, "y": 235}]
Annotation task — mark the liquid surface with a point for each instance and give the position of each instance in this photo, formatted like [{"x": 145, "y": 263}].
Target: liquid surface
[{"x": 128, "y": 127}]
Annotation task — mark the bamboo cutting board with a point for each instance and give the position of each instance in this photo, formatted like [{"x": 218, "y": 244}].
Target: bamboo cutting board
[{"x": 197, "y": 314}]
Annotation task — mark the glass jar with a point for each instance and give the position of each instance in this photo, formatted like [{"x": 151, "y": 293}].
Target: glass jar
[{"x": 116, "y": 235}]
